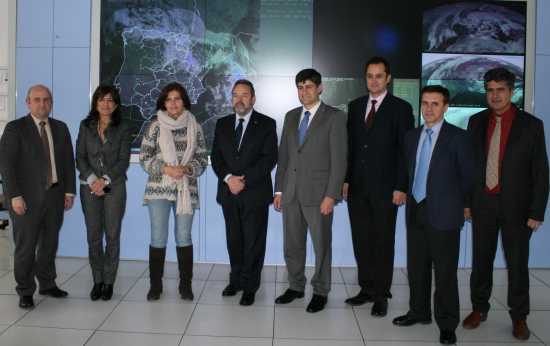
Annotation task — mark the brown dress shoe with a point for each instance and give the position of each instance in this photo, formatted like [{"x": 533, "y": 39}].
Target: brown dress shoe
[
  {"x": 473, "y": 320},
  {"x": 521, "y": 331}
]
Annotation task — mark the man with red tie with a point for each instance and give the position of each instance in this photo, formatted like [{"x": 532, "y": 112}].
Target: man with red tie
[
  {"x": 510, "y": 195},
  {"x": 376, "y": 182}
]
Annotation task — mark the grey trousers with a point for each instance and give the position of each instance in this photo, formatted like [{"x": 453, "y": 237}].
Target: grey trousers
[
  {"x": 296, "y": 221},
  {"x": 103, "y": 217}
]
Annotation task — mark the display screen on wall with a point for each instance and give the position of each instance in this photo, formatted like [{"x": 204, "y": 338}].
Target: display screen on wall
[
  {"x": 463, "y": 40},
  {"x": 207, "y": 45}
]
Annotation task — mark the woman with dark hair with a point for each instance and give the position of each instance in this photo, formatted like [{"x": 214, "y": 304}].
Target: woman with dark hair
[
  {"x": 173, "y": 153},
  {"x": 102, "y": 158}
]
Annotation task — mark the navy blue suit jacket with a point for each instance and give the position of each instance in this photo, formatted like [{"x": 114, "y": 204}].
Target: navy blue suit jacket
[{"x": 450, "y": 176}]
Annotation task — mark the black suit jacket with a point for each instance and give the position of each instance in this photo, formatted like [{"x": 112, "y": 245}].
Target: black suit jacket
[
  {"x": 23, "y": 162},
  {"x": 375, "y": 157},
  {"x": 524, "y": 170},
  {"x": 450, "y": 176},
  {"x": 255, "y": 159}
]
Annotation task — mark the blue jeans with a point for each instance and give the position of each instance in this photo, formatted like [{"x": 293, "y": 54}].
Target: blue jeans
[{"x": 159, "y": 213}]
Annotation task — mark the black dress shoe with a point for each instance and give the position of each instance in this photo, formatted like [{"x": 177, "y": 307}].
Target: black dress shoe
[
  {"x": 26, "y": 302},
  {"x": 317, "y": 303},
  {"x": 230, "y": 290},
  {"x": 107, "y": 292},
  {"x": 447, "y": 337},
  {"x": 289, "y": 296},
  {"x": 408, "y": 320},
  {"x": 247, "y": 298},
  {"x": 95, "y": 294},
  {"x": 360, "y": 299},
  {"x": 380, "y": 308},
  {"x": 54, "y": 292}
]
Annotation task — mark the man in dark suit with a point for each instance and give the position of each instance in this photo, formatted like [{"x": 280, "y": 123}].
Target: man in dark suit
[
  {"x": 243, "y": 155},
  {"x": 440, "y": 170},
  {"x": 308, "y": 183},
  {"x": 375, "y": 182},
  {"x": 510, "y": 194},
  {"x": 37, "y": 166}
]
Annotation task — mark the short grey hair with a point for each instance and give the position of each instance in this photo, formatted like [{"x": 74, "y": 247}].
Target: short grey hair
[{"x": 38, "y": 86}]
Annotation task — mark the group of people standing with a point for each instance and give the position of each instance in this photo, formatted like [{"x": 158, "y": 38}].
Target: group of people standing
[{"x": 494, "y": 174}]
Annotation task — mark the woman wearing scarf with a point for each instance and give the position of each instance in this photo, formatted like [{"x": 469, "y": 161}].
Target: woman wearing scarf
[{"x": 173, "y": 153}]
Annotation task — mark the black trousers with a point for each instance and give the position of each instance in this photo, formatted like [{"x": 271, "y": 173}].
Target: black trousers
[
  {"x": 426, "y": 248},
  {"x": 373, "y": 236},
  {"x": 487, "y": 221},
  {"x": 36, "y": 235},
  {"x": 246, "y": 231}
]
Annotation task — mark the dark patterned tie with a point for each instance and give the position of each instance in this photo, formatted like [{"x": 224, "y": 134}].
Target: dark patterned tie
[
  {"x": 46, "y": 147},
  {"x": 370, "y": 116},
  {"x": 239, "y": 133}
]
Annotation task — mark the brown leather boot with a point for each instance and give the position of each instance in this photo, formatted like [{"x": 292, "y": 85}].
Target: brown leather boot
[
  {"x": 521, "y": 331},
  {"x": 473, "y": 320},
  {"x": 185, "y": 266},
  {"x": 156, "y": 271}
]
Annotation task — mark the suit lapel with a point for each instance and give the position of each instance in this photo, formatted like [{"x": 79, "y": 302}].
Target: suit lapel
[
  {"x": 363, "y": 112},
  {"x": 414, "y": 150},
  {"x": 249, "y": 131},
  {"x": 515, "y": 131},
  {"x": 33, "y": 134},
  {"x": 440, "y": 144},
  {"x": 317, "y": 120},
  {"x": 229, "y": 129},
  {"x": 482, "y": 135},
  {"x": 294, "y": 119}
]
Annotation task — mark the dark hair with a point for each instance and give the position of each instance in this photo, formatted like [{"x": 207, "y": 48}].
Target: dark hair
[
  {"x": 99, "y": 93},
  {"x": 247, "y": 83},
  {"x": 174, "y": 86},
  {"x": 308, "y": 74},
  {"x": 378, "y": 60},
  {"x": 500, "y": 74},
  {"x": 437, "y": 89}
]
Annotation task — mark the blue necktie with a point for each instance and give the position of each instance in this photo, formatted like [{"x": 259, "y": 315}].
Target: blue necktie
[
  {"x": 302, "y": 128},
  {"x": 419, "y": 188}
]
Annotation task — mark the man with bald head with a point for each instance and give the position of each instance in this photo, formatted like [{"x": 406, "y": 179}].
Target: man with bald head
[{"x": 37, "y": 167}]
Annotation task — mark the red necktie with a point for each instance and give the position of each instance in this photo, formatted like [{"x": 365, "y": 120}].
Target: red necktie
[{"x": 370, "y": 116}]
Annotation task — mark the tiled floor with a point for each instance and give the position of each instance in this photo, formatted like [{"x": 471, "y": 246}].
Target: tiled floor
[{"x": 129, "y": 319}]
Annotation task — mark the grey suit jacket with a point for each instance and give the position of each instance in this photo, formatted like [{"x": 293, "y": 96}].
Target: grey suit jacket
[
  {"x": 317, "y": 168},
  {"x": 111, "y": 158}
]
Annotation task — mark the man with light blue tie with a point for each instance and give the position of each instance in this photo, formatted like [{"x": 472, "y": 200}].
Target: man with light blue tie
[
  {"x": 310, "y": 173},
  {"x": 440, "y": 170}
]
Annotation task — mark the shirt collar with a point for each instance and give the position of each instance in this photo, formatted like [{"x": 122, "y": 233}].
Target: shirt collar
[
  {"x": 245, "y": 117},
  {"x": 37, "y": 121},
  {"x": 509, "y": 115},
  {"x": 436, "y": 128},
  {"x": 312, "y": 110},
  {"x": 378, "y": 98}
]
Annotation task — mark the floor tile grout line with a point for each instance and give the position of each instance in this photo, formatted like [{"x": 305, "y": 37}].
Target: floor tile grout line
[
  {"x": 196, "y": 304},
  {"x": 35, "y": 305},
  {"x": 544, "y": 283},
  {"x": 274, "y": 307},
  {"x": 355, "y": 316},
  {"x": 110, "y": 313}
]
